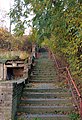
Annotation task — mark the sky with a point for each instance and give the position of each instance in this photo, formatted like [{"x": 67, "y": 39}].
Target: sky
[
  {"x": 5, "y": 6},
  {"x": 4, "y": 9}
]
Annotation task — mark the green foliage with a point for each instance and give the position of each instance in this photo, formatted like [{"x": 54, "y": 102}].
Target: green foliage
[
  {"x": 9, "y": 42},
  {"x": 36, "y": 119},
  {"x": 19, "y": 16},
  {"x": 33, "y": 37},
  {"x": 57, "y": 25},
  {"x": 74, "y": 116},
  {"x": 21, "y": 119},
  {"x": 72, "y": 39},
  {"x": 9, "y": 55}
]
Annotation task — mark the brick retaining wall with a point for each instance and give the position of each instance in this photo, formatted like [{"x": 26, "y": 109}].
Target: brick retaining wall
[
  {"x": 6, "y": 91},
  {"x": 10, "y": 93}
]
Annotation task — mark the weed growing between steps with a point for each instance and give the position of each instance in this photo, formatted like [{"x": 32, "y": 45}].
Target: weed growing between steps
[
  {"x": 37, "y": 119},
  {"x": 21, "y": 119},
  {"x": 74, "y": 116}
]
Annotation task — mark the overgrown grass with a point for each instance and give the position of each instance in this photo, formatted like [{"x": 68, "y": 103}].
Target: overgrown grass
[
  {"x": 74, "y": 116},
  {"x": 13, "y": 54},
  {"x": 37, "y": 119}
]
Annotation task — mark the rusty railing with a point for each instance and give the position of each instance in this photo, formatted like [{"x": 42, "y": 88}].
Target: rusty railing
[{"x": 73, "y": 87}]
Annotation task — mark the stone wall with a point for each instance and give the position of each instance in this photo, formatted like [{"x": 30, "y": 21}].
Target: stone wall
[
  {"x": 10, "y": 94},
  {"x": 17, "y": 92},
  {"x": 6, "y": 91}
]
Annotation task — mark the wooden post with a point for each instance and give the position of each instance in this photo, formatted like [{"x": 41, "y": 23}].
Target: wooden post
[
  {"x": 1, "y": 71},
  {"x": 5, "y": 72}
]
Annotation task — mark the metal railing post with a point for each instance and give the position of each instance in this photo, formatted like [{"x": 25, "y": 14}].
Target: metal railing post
[
  {"x": 81, "y": 107},
  {"x": 70, "y": 81}
]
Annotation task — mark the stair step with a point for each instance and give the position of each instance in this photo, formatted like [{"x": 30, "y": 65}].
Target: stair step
[
  {"x": 42, "y": 81},
  {"x": 43, "y": 76},
  {"x": 48, "y": 67},
  {"x": 49, "y": 101},
  {"x": 45, "y": 117},
  {"x": 43, "y": 71},
  {"x": 45, "y": 68},
  {"x": 42, "y": 98},
  {"x": 44, "y": 109},
  {"x": 45, "y": 95},
  {"x": 45, "y": 90}
]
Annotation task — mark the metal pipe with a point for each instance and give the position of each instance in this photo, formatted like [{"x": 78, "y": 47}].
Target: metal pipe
[{"x": 81, "y": 107}]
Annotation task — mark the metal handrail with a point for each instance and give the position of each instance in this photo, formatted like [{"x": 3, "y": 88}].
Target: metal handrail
[{"x": 73, "y": 83}]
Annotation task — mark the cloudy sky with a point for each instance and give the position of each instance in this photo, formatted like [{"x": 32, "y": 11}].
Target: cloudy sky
[
  {"x": 5, "y": 4},
  {"x": 5, "y": 7}
]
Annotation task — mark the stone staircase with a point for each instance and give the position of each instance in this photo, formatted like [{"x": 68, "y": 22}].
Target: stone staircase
[{"x": 43, "y": 98}]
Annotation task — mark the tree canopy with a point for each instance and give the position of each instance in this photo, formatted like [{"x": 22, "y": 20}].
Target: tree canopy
[{"x": 56, "y": 24}]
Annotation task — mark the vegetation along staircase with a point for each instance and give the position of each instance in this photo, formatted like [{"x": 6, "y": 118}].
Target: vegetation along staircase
[{"x": 44, "y": 98}]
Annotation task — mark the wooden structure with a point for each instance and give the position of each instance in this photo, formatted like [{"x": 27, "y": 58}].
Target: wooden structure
[
  {"x": 2, "y": 69},
  {"x": 13, "y": 69}
]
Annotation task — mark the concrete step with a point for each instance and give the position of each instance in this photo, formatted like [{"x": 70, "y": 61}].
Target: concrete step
[
  {"x": 39, "y": 70},
  {"x": 57, "y": 89},
  {"x": 50, "y": 101},
  {"x": 42, "y": 98},
  {"x": 44, "y": 72},
  {"x": 38, "y": 78},
  {"x": 42, "y": 69},
  {"x": 45, "y": 66},
  {"x": 44, "y": 61},
  {"x": 44, "y": 117},
  {"x": 44, "y": 75},
  {"x": 42, "y": 81},
  {"x": 46, "y": 95},
  {"x": 44, "y": 109}
]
